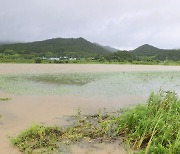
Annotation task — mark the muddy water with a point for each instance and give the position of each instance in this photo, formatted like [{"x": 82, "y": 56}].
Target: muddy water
[
  {"x": 66, "y": 68},
  {"x": 22, "y": 110}
]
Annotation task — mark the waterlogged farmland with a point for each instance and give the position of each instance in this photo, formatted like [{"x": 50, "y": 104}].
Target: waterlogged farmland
[
  {"x": 50, "y": 95},
  {"x": 108, "y": 84}
]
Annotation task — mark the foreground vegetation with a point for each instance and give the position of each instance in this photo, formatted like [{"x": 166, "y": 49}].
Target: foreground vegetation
[{"x": 150, "y": 128}]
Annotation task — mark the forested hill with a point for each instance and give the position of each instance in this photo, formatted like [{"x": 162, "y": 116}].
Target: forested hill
[
  {"x": 156, "y": 53},
  {"x": 81, "y": 48},
  {"x": 111, "y": 49},
  {"x": 146, "y": 50},
  {"x": 77, "y": 47}
]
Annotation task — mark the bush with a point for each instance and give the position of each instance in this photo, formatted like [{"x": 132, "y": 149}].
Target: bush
[{"x": 38, "y": 60}]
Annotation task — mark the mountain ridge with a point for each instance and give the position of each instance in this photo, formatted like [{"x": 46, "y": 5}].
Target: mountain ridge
[
  {"x": 80, "y": 48},
  {"x": 111, "y": 49},
  {"x": 147, "y": 50},
  {"x": 57, "y": 46}
]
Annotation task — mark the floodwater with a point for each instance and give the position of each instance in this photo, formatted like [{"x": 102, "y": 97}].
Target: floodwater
[
  {"x": 66, "y": 68},
  {"x": 48, "y": 93}
]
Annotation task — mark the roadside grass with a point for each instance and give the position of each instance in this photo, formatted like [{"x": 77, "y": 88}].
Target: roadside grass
[{"x": 150, "y": 128}]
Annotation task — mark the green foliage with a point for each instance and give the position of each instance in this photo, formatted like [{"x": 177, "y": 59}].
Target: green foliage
[
  {"x": 147, "y": 51},
  {"x": 80, "y": 48},
  {"x": 38, "y": 60},
  {"x": 121, "y": 56},
  {"x": 154, "y": 127},
  {"x": 150, "y": 128},
  {"x": 4, "y": 99},
  {"x": 168, "y": 55},
  {"x": 48, "y": 139},
  {"x": 54, "y": 48},
  {"x": 37, "y": 137}
]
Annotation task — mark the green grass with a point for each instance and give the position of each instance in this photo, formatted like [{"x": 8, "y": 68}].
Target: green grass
[
  {"x": 150, "y": 128},
  {"x": 154, "y": 127},
  {"x": 31, "y": 61},
  {"x": 4, "y": 99}
]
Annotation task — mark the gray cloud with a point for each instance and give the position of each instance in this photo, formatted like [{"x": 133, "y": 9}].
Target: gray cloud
[{"x": 118, "y": 23}]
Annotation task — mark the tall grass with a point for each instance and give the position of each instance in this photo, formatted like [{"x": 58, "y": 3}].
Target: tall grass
[
  {"x": 150, "y": 128},
  {"x": 154, "y": 127}
]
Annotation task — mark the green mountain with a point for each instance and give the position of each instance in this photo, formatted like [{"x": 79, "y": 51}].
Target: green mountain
[
  {"x": 168, "y": 55},
  {"x": 74, "y": 47},
  {"x": 146, "y": 50},
  {"x": 108, "y": 48},
  {"x": 6, "y": 42},
  {"x": 156, "y": 53},
  {"x": 81, "y": 48},
  {"x": 121, "y": 56}
]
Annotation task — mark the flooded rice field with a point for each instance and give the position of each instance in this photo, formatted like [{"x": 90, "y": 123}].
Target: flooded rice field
[
  {"x": 49, "y": 93},
  {"x": 106, "y": 85}
]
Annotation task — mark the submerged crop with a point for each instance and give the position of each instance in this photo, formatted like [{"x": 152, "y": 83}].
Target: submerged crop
[
  {"x": 4, "y": 99},
  {"x": 106, "y": 84},
  {"x": 150, "y": 128},
  {"x": 65, "y": 79}
]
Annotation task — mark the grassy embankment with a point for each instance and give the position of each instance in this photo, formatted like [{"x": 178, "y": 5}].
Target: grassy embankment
[{"x": 150, "y": 128}]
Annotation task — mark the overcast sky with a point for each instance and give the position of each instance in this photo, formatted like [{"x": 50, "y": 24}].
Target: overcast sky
[{"x": 124, "y": 24}]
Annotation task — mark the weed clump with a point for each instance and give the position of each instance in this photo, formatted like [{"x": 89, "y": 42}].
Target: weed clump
[
  {"x": 150, "y": 128},
  {"x": 38, "y": 137},
  {"x": 4, "y": 99},
  {"x": 47, "y": 139}
]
